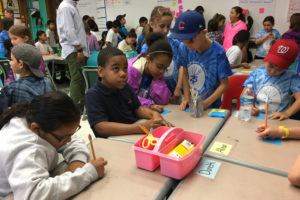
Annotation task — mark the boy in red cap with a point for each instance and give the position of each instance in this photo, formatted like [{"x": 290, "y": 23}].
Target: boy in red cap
[{"x": 275, "y": 83}]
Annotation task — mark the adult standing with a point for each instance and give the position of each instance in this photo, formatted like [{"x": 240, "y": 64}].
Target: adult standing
[
  {"x": 235, "y": 25},
  {"x": 8, "y": 13},
  {"x": 72, "y": 38}
]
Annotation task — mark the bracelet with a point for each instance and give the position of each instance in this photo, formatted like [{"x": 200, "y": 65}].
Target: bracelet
[{"x": 286, "y": 131}]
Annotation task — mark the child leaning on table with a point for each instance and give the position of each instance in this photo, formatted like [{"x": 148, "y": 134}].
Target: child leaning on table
[
  {"x": 31, "y": 136},
  {"x": 112, "y": 106},
  {"x": 146, "y": 72},
  {"x": 284, "y": 133},
  {"x": 275, "y": 83}
]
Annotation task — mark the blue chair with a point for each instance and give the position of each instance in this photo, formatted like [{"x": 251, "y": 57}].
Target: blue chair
[{"x": 92, "y": 60}]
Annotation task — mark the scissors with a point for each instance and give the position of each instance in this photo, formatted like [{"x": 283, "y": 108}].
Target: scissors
[{"x": 149, "y": 140}]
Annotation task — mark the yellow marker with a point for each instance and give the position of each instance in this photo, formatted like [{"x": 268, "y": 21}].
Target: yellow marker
[
  {"x": 182, "y": 149},
  {"x": 221, "y": 148}
]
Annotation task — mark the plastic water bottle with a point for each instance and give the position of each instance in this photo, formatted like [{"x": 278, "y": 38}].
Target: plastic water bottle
[{"x": 247, "y": 98}]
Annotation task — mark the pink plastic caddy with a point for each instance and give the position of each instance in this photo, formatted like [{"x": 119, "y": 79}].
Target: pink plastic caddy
[{"x": 168, "y": 139}]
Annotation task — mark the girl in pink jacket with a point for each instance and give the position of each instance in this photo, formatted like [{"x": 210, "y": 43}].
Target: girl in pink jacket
[
  {"x": 235, "y": 25},
  {"x": 146, "y": 72}
]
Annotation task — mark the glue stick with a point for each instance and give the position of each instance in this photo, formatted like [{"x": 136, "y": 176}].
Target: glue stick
[{"x": 182, "y": 149}]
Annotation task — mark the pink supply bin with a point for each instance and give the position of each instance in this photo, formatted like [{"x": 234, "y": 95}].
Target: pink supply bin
[{"x": 168, "y": 139}]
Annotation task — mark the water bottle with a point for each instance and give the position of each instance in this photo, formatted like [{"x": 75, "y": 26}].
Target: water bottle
[{"x": 247, "y": 98}]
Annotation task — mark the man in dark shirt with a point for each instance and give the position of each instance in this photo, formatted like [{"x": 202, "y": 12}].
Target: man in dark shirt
[{"x": 112, "y": 106}]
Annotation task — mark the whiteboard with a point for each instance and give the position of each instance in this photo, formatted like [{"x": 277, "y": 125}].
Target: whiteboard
[{"x": 134, "y": 9}]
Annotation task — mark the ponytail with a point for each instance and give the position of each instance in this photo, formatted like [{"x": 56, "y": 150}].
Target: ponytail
[{"x": 16, "y": 110}]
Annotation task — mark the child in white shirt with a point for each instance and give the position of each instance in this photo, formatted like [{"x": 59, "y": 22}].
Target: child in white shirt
[
  {"x": 42, "y": 44},
  {"x": 31, "y": 136}
]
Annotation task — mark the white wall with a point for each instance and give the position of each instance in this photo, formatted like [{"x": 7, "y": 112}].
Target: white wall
[{"x": 134, "y": 9}]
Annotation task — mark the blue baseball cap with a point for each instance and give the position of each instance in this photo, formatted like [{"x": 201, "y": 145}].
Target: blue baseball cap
[{"x": 187, "y": 25}]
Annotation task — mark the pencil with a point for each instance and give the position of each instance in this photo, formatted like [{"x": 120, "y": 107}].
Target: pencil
[
  {"x": 92, "y": 147},
  {"x": 148, "y": 114},
  {"x": 266, "y": 116},
  {"x": 144, "y": 129}
]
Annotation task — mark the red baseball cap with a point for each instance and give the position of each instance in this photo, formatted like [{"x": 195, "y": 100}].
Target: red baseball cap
[{"x": 282, "y": 53}]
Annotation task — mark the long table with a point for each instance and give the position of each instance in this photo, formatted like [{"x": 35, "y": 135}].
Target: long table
[
  {"x": 248, "y": 149},
  {"x": 208, "y": 126},
  {"x": 234, "y": 182},
  {"x": 122, "y": 179},
  {"x": 52, "y": 58},
  {"x": 255, "y": 64}
]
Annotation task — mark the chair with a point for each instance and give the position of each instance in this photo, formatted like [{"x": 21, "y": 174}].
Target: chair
[
  {"x": 233, "y": 92},
  {"x": 90, "y": 75},
  {"x": 5, "y": 68},
  {"x": 93, "y": 59}
]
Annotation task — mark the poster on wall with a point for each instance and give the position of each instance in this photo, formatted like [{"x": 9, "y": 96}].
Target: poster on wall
[
  {"x": 96, "y": 10},
  {"x": 294, "y": 7},
  {"x": 112, "y": 3},
  {"x": 175, "y": 6},
  {"x": 11, "y": 4}
]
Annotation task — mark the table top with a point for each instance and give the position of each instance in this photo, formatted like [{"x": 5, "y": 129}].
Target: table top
[
  {"x": 234, "y": 182},
  {"x": 122, "y": 179},
  {"x": 255, "y": 64},
  {"x": 204, "y": 125},
  {"x": 47, "y": 58},
  {"x": 248, "y": 147}
]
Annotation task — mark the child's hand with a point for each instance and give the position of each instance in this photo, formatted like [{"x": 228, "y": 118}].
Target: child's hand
[
  {"x": 157, "y": 108},
  {"x": 246, "y": 65},
  {"x": 99, "y": 164},
  {"x": 278, "y": 115},
  {"x": 177, "y": 93},
  {"x": 269, "y": 132},
  {"x": 51, "y": 52},
  {"x": 152, "y": 123},
  {"x": 184, "y": 104},
  {"x": 254, "y": 111},
  {"x": 166, "y": 123},
  {"x": 80, "y": 57}
]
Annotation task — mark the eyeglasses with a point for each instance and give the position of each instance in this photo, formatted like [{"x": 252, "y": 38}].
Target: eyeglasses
[{"x": 61, "y": 140}]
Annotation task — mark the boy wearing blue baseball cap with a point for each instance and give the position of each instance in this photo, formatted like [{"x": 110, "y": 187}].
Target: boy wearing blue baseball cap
[{"x": 204, "y": 60}]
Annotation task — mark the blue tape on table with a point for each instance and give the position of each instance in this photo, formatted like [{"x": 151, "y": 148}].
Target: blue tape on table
[
  {"x": 165, "y": 112},
  {"x": 217, "y": 113},
  {"x": 187, "y": 110},
  {"x": 273, "y": 141},
  {"x": 261, "y": 116}
]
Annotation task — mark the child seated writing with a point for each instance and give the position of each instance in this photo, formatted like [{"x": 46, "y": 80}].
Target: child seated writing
[
  {"x": 234, "y": 53},
  {"x": 275, "y": 83},
  {"x": 283, "y": 132},
  {"x": 128, "y": 43},
  {"x": 112, "y": 106},
  {"x": 266, "y": 37},
  {"x": 146, "y": 72},
  {"x": 25, "y": 60},
  {"x": 206, "y": 66},
  {"x": 31, "y": 136},
  {"x": 42, "y": 44}
]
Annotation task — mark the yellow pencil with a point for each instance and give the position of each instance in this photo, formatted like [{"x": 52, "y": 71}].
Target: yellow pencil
[
  {"x": 148, "y": 114},
  {"x": 266, "y": 116},
  {"x": 92, "y": 147}
]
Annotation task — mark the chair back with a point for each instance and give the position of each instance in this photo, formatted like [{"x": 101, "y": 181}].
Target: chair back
[
  {"x": 93, "y": 59},
  {"x": 90, "y": 75},
  {"x": 234, "y": 91},
  {"x": 5, "y": 69}
]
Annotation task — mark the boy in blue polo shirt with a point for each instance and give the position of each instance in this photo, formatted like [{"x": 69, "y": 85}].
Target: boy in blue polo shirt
[
  {"x": 112, "y": 106},
  {"x": 204, "y": 60}
]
